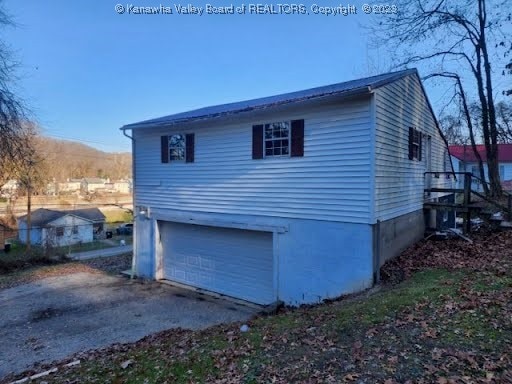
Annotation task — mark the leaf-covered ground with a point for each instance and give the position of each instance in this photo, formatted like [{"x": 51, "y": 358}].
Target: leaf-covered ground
[
  {"x": 31, "y": 272},
  {"x": 444, "y": 316}
]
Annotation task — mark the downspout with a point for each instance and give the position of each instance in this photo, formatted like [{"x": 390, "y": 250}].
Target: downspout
[
  {"x": 134, "y": 243},
  {"x": 375, "y": 223},
  {"x": 376, "y": 250}
]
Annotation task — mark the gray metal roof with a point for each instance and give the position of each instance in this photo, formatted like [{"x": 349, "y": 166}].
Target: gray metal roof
[
  {"x": 93, "y": 180},
  {"x": 43, "y": 216},
  {"x": 92, "y": 214},
  {"x": 348, "y": 87}
]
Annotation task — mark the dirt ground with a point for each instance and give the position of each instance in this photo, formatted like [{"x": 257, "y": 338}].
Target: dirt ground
[{"x": 51, "y": 318}]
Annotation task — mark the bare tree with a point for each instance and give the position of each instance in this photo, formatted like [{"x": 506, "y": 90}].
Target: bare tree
[
  {"x": 454, "y": 36},
  {"x": 14, "y": 126},
  {"x": 465, "y": 108},
  {"x": 32, "y": 176},
  {"x": 454, "y": 130},
  {"x": 504, "y": 121}
]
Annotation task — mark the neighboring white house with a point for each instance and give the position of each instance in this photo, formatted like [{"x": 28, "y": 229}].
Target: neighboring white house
[
  {"x": 9, "y": 188},
  {"x": 297, "y": 197},
  {"x": 71, "y": 185},
  {"x": 123, "y": 186},
  {"x": 119, "y": 186},
  {"x": 92, "y": 184},
  {"x": 464, "y": 160},
  {"x": 60, "y": 228}
]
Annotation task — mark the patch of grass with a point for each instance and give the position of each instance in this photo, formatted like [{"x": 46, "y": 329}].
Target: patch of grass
[
  {"x": 429, "y": 285},
  {"x": 486, "y": 283},
  {"x": 151, "y": 365},
  {"x": 113, "y": 215},
  {"x": 84, "y": 247},
  {"x": 472, "y": 329},
  {"x": 196, "y": 367},
  {"x": 19, "y": 258}
]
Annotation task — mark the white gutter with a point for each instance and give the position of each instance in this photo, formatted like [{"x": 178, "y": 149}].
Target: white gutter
[{"x": 134, "y": 248}]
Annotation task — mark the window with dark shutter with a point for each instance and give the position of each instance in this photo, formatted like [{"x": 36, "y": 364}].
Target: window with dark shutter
[
  {"x": 164, "y": 142},
  {"x": 297, "y": 138},
  {"x": 257, "y": 141},
  {"x": 177, "y": 147},
  {"x": 414, "y": 144},
  {"x": 189, "y": 151},
  {"x": 278, "y": 139}
]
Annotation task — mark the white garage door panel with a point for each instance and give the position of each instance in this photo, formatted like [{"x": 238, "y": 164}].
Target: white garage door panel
[{"x": 233, "y": 262}]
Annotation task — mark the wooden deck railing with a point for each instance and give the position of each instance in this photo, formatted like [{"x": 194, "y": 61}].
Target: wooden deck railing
[{"x": 467, "y": 206}]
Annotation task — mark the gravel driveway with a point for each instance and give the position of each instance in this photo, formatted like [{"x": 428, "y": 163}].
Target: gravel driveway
[{"x": 52, "y": 318}]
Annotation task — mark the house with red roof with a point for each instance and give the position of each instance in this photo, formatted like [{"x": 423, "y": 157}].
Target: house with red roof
[{"x": 464, "y": 159}]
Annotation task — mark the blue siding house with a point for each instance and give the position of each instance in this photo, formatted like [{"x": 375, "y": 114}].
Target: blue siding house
[
  {"x": 51, "y": 228},
  {"x": 465, "y": 160},
  {"x": 298, "y": 197}
]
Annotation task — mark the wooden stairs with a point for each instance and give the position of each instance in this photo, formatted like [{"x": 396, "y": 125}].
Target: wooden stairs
[{"x": 495, "y": 212}]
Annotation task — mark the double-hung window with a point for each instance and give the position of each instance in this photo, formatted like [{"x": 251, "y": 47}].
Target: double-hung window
[
  {"x": 277, "y": 139},
  {"x": 177, "y": 147},
  {"x": 414, "y": 144}
]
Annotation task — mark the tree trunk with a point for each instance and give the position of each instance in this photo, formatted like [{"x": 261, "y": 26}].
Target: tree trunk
[
  {"x": 494, "y": 179},
  {"x": 29, "y": 219},
  {"x": 492, "y": 137},
  {"x": 472, "y": 134}
]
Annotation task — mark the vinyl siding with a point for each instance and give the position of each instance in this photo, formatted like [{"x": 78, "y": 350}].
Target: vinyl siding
[
  {"x": 84, "y": 235},
  {"x": 46, "y": 234},
  {"x": 331, "y": 181},
  {"x": 506, "y": 167},
  {"x": 399, "y": 182}
]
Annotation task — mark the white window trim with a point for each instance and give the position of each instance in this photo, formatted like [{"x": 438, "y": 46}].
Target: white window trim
[
  {"x": 416, "y": 143},
  {"x": 289, "y": 138},
  {"x": 184, "y": 147}
]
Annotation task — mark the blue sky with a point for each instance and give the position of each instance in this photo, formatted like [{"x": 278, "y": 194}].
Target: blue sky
[{"x": 87, "y": 70}]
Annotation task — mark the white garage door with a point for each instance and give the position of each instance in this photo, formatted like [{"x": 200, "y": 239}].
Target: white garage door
[{"x": 232, "y": 262}]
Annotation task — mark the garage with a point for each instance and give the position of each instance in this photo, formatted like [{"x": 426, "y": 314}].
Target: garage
[{"x": 233, "y": 262}]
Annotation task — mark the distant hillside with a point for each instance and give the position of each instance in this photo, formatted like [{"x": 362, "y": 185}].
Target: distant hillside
[{"x": 70, "y": 159}]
